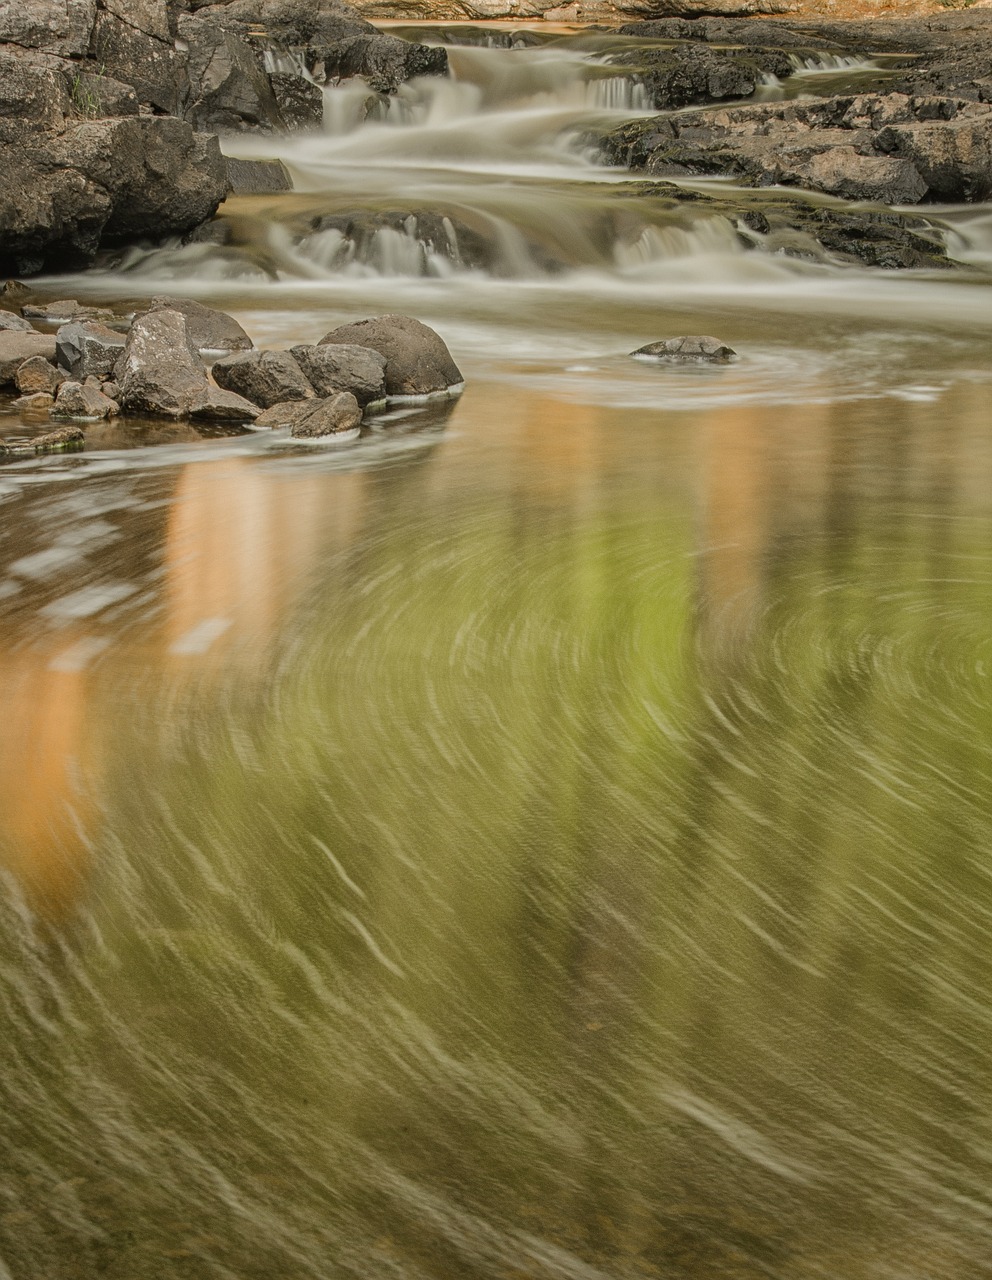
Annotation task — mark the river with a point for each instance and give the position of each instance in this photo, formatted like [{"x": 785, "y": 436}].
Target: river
[{"x": 549, "y": 836}]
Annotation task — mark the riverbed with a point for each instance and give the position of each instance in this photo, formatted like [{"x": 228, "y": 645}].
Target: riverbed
[{"x": 547, "y": 836}]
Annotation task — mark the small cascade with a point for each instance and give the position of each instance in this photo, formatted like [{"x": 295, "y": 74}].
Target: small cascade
[{"x": 830, "y": 63}]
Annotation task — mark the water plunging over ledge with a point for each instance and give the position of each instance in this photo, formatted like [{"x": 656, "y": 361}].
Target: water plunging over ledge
[{"x": 548, "y": 837}]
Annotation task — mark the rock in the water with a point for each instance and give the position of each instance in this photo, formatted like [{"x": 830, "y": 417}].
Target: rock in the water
[
  {"x": 301, "y": 102},
  {"x": 229, "y": 88},
  {"x": 16, "y": 347},
  {"x": 218, "y": 405},
  {"x": 331, "y": 368},
  {"x": 264, "y": 377},
  {"x": 159, "y": 372},
  {"x": 9, "y": 321},
  {"x": 80, "y": 400},
  {"x": 693, "y": 349},
  {"x": 38, "y": 402},
  {"x": 331, "y": 417},
  {"x": 286, "y": 414},
  {"x": 38, "y": 375},
  {"x": 64, "y": 438},
  {"x": 383, "y": 62},
  {"x": 207, "y": 328},
  {"x": 417, "y": 361},
  {"x": 258, "y": 177},
  {"x": 64, "y": 310},
  {"x": 88, "y": 349}
]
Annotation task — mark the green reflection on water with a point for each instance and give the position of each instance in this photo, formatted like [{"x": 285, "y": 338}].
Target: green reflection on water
[{"x": 548, "y": 914}]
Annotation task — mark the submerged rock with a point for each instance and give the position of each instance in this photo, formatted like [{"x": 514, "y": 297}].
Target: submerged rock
[
  {"x": 263, "y": 377},
  {"x": 63, "y": 438},
  {"x": 66, "y": 309},
  {"x": 693, "y": 349},
  {"x": 36, "y": 402},
  {"x": 417, "y": 361},
  {"x": 331, "y": 368},
  {"x": 329, "y": 417}
]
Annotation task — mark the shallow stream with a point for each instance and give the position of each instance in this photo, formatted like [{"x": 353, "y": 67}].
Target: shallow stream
[{"x": 547, "y": 837}]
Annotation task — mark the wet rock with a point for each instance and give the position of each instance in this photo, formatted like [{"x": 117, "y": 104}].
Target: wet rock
[
  {"x": 88, "y": 348},
  {"x": 66, "y": 309},
  {"x": 208, "y": 329},
  {"x": 263, "y": 377},
  {"x": 229, "y": 89},
  {"x": 300, "y": 101},
  {"x": 694, "y": 349},
  {"x": 63, "y": 438},
  {"x": 329, "y": 417},
  {"x": 9, "y": 321},
  {"x": 218, "y": 405},
  {"x": 16, "y": 347},
  {"x": 417, "y": 361},
  {"x": 383, "y": 62},
  {"x": 160, "y": 371},
  {"x": 258, "y": 177},
  {"x": 38, "y": 375},
  {"x": 80, "y": 400},
  {"x": 687, "y": 74},
  {"x": 331, "y": 368},
  {"x": 286, "y": 414}
]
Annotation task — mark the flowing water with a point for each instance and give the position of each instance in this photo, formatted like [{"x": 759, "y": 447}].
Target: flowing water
[{"x": 549, "y": 836}]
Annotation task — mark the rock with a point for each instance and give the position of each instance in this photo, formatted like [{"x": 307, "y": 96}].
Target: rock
[
  {"x": 111, "y": 390},
  {"x": 16, "y": 347},
  {"x": 39, "y": 402},
  {"x": 79, "y": 400},
  {"x": 64, "y": 438},
  {"x": 383, "y": 62},
  {"x": 694, "y": 349},
  {"x": 144, "y": 59},
  {"x": 11, "y": 289},
  {"x": 38, "y": 375},
  {"x": 229, "y": 90},
  {"x": 159, "y": 371},
  {"x": 331, "y": 368},
  {"x": 334, "y": 416},
  {"x": 264, "y": 377},
  {"x": 286, "y": 414},
  {"x": 208, "y": 328},
  {"x": 257, "y": 177},
  {"x": 300, "y": 101},
  {"x": 11, "y": 322},
  {"x": 679, "y": 76},
  {"x": 219, "y": 405},
  {"x": 417, "y": 361},
  {"x": 59, "y": 27},
  {"x": 99, "y": 96},
  {"x": 88, "y": 348},
  {"x": 64, "y": 310}
]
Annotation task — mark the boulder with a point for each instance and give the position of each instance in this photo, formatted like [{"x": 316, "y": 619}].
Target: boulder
[
  {"x": 257, "y": 177},
  {"x": 79, "y": 400},
  {"x": 16, "y": 347},
  {"x": 332, "y": 416},
  {"x": 65, "y": 309},
  {"x": 59, "y": 27},
  {"x": 417, "y": 361},
  {"x": 9, "y": 321},
  {"x": 686, "y": 74},
  {"x": 286, "y": 414},
  {"x": 694, "y": 349},
  {"x": 383, "y": 62},
  {"x": 88, "y": 348},
  {"x": 331, "y": 368},
  {"x": 38, "y": 376},
  {"x": 218, "y": 405},
  {"x": 300, "y": 101},
  {"x": 144, "y": 59},
  {"x": 263, "y": 377},
  {"x": 63, "y": 438},
  {"x": 208, "y": 328},
  {"x": 40, "y": 402},
  {"x": 160, "y": 371},
  {"x": 229, "y": 90}
]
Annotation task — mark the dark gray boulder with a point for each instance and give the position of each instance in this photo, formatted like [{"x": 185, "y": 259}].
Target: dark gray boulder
[
  {"x": 217, "y": 405},
  {"x": 88, "y": 348},
  {"x": 300, "y": 101},
  {"x": 417, "y": 361},
  {"x": 263, "y": 377},
  {"x": 257, "y": 177},
  {"x": 160, "y": 371},
  {"x": 229, "y": 89},
  {"x": 207, "y": 328},
  {"x": 693, "y": 349},
  {"x": 383, "y": 61},
  {"x": 331, "y": 368},
  {"x": 80, "y": 400},
  {"x": 332, "y": 416}
]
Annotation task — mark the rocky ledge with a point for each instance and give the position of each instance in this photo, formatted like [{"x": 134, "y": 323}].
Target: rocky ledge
[{"x": 109, "y": 108}]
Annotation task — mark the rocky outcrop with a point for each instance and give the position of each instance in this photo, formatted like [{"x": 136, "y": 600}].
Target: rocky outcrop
[
  {"x": 417, "y": 361},
  {"x": 609, "y": 11},
  {"x": 886, "y": 148},
  {"x": 686, "y": 74}
]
